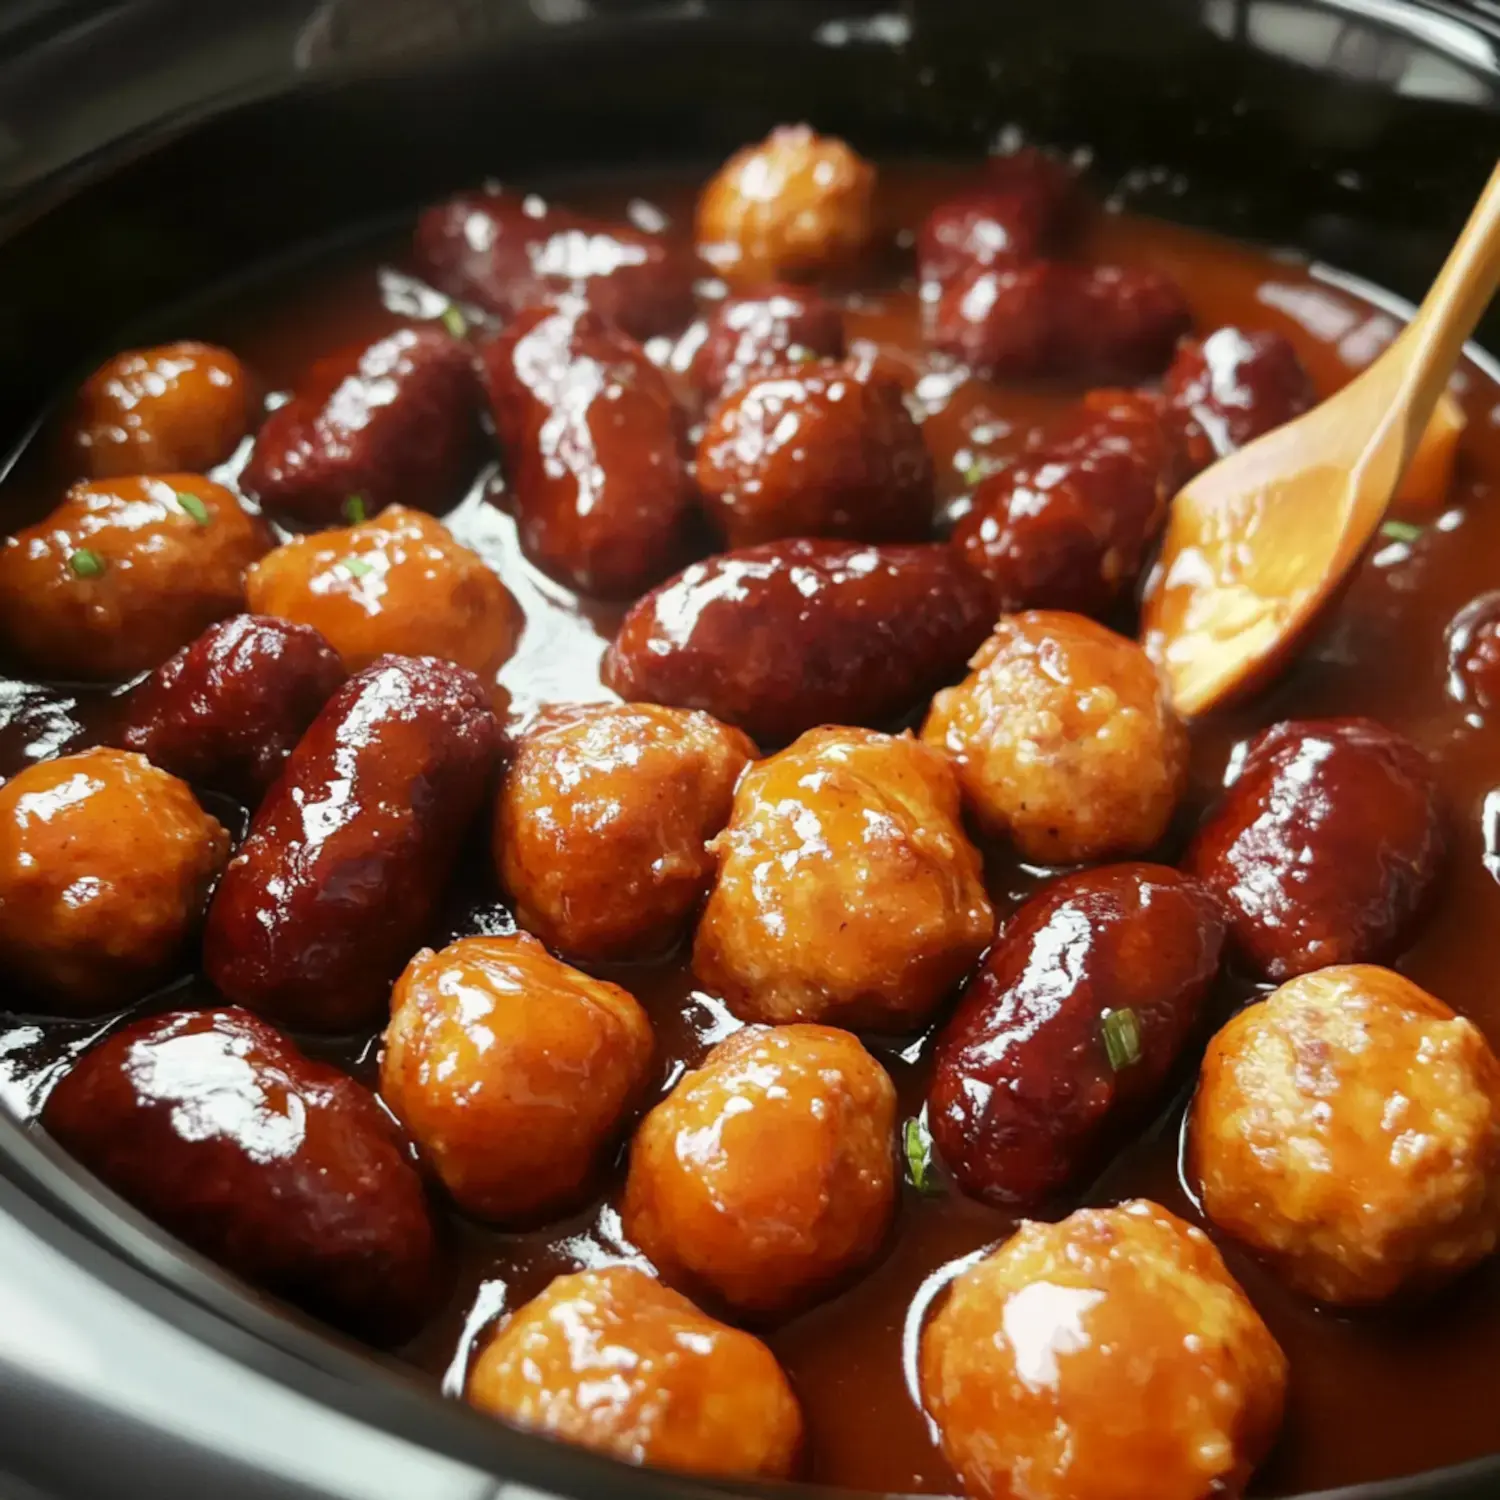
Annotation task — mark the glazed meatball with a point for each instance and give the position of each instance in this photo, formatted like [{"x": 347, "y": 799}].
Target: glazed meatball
[
  {"x": 1108, "y": 1357},
  {"x": 1064, "y": 740},
  {"x": 603, "y": 822},
  {"x": 1065, "y": 1037},
  {"x": 105, "y": 867},
  {"x": 823, "y": 449},
  {"x": 614, "y": 1361},
  {"x": 123, "y": 573},
  {"x": 1474, "y": 653},
  {"x": 282, "y": 1169},
  {"x": 1348, "y": 1130},
  {"x": 1233, "y": 387},
  {"x": 398, "y": 584},
  {"x": 1325, "y": 847},
  {"x": 768, "y": 1174},
  {"x": 846, "y": 890},
  {"x": 512, "y": 1072},
  {"x": 797, "y": 205},
  {"x": 1021, "y": 209},
  {"x": 762, "y": 330},
  {"x": 176, "y": 408},
  {"x": 1070, "y": 524}
]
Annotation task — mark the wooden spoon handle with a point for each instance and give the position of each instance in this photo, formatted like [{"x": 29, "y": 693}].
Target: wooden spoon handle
[{"x": 1452, "y": 309}]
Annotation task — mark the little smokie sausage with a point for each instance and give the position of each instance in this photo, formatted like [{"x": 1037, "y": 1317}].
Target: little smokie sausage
[
  {"x": 1071, "y": 1026},
  {"x": 593, "y": 445},
  {"x": 347, "y": 857}
]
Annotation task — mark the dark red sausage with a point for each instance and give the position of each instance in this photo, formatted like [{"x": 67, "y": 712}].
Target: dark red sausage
[
  {"x": 1231, "y": 387},
  {"x": 1324, "y": 848},
  {"x": 820, "y": 449},
  {"x": 592, "y": 440},
  {"x": 761, "y": 330},
  {"x": 226, "y": 711},
  {"x": 395, "y": 424},
  {"x": 508, "y": 251},
  {"x": 780, "y": 638},
  {"x": 1474, "y": 653},
  {"x": 347, "y": 857},
  {"x": 1070, "y": 524},
  {"x": 1047, "y": 318},
  {"x": 283, "y": 1170},
  {"x": 1022, "y": 209},
  {"x": 1024, "y": 1097}
]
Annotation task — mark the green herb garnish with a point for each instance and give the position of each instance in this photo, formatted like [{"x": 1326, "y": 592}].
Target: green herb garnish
[
  {"x": 86, "y": 564},
  {"x": 354, "y": 510},
  {"x": 1400, "y": 531},
  {"x": 454, "y": 320},
  {"x": 356, "y": 567},
  {"x": 1122, "y": 1038},
  {"x": 194, "y": 507},
  {"x": 976, "y": 473},
  {"x": 919, "y": 1169}
]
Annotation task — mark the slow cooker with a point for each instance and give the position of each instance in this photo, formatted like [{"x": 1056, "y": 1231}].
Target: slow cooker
[{"x": 155, "y": 148}]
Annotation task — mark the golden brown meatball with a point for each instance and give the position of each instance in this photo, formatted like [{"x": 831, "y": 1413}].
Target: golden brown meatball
[
  {"x": 105, "y": 866},
  {"x": 614, "y": 1361},
  {"x": 768, "y": 1174},
  {"x": 1348, "y": 1129},
  {"x": 1064, "y": 740},
  {"x": 125, "y": 572},
  {"x": 847, "y": 891},
  {"x": 511, "y": 1071},
  {"x": 1108, "y": 1357},
  {"x": 603, "y": 821},
  {"x": 397, "y": 584},
  {"x": 795, "y": 206},
  {"x": 178, "y": 407}
]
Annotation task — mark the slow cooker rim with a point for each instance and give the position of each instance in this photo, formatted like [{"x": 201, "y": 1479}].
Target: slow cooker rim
[{"x": 91, "y": 1224}]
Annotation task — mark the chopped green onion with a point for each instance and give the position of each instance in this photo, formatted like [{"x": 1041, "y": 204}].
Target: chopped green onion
[
  {"x": 86, "y": 564},
  {"x": 919, "y": 1168},
  {"x": 194, "y": 507},
  {"x": 1122, "y": 1038},
  {"x": 354, "y": 510},
  {"x": 800, "y": 355},
  {"x": 1400, "y": 531},
  {"x": 977, "y": 472},
  {"x": 356, "y": 567},
  {"x": 454, "y": 320}
]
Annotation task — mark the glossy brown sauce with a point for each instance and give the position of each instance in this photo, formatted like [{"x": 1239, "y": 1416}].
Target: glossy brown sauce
[{"x": 1371, "y": 1396}]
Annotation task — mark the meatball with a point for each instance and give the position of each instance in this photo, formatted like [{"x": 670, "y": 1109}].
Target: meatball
[
  {"x": 825, "y": 449},
  {"x": 1067, "y": 1034},
  {"x": 1232, "y": 388},
  {"x": 603, "y": 821},
  {"x": 768, "y": 1174},
  {"x": 846, "y": 890},
  {"x": 758, "y": 331},
  {"x": 398, "y": 584},
  {"x": 797, "y": 205},
  {"x": 105, "y": 867},
  {"x": 282, "y": 1169},
  {"x": 512, "y": 1072},
  {"x": 1064, "y": 740},
  {"x": 614, "y": 1361},
  {"x": 1108, "y": 1357},
  {"x": 123, "y": 573},
  {"x": 1069, "y": 525},
  {"x": 1474, "y": 653},
  {"x": 176, "y": 408},
  {"x": 1347, "y": 1128},
  {"x": 1025, "y": 203},
  {"x": 1325, "y": 847}
]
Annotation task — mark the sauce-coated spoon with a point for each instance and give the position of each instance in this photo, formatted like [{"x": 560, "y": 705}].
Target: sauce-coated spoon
[{"x": 1257, "y": 544}]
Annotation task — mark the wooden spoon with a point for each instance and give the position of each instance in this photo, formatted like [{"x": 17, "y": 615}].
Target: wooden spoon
[{"x": 1259, "y": 543}]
